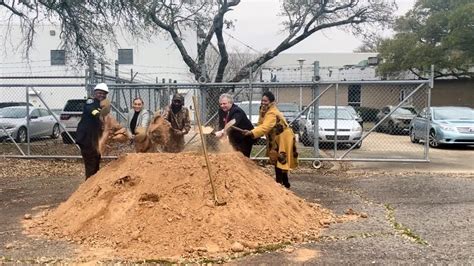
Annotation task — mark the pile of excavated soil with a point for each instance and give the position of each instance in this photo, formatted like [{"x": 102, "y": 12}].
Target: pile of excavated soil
[{"x": 160, "y": 206}]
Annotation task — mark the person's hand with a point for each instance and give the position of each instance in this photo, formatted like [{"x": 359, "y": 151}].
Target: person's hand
[
  {"x": 247, "y": 133},
  {"x": 178, "y": 132},
  {"x": 219, "y": 134}
]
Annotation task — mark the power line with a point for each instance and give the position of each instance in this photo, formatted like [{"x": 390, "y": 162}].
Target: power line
[{"x": 241, "y": 42}]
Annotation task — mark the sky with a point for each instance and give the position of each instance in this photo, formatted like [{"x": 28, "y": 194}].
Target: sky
[{"x": 258, "y": 29}]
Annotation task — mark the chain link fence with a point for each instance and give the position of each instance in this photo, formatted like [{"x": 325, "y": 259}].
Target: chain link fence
[{"x": 345, "y": 120}]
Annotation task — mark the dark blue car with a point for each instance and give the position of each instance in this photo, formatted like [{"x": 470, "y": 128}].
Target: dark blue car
[{"x": 447, "y": 125}]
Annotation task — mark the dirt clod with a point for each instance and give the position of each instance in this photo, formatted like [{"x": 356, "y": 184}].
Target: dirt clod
[{"x": 237, "y": 247}]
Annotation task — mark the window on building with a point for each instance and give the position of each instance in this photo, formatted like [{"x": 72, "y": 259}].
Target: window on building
[
  {"x": 353, "y": 95},
  {"x": 404, "y": 94},
  {"x": 125, "y": 56},
  {"x": 58, "y": 57}
]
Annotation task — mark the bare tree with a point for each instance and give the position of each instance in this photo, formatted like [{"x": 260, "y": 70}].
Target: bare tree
[{"x": 87, "y": 25}]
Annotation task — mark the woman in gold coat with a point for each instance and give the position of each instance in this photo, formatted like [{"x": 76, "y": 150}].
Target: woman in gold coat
[{"x": 281, "y": 145}]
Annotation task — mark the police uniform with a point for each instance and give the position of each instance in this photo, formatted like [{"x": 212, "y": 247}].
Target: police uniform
[{"x": 88, "y": 133}]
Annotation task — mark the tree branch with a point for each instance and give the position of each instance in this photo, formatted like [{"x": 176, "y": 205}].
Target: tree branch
[{"x": 193, "y": 67}]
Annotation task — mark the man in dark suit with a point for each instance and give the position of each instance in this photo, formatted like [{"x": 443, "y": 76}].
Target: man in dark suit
[
  {"x": 90, "y": 129},
  {"x": 228, "y": 111}
]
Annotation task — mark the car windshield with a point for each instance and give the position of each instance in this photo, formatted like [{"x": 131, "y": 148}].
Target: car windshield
[
  {"x": 453, "y": 114},
  {"x": 351, "y": 110},
  {"x": 330, "y": 113},
  {"x": 288, "y": 109},
  {"x": 13, "y": 112},
  {"x": 405, "y": 111},
  {"x": 246, "y": 108}
]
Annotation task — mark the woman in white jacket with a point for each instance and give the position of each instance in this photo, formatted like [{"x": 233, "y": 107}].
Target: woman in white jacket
[{"x": 137, "y": 117}]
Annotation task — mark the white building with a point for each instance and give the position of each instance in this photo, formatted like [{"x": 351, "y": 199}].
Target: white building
[{"x": 47, "y": 62}]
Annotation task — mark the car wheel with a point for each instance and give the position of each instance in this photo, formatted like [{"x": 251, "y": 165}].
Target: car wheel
[
  {"x": 66, "y": 138},
  {"x": 378, "y": 128},
  {"x": 391, "y": 128},
  {"x": 21, "y": 135},
  {"x": 413, "y": 138},
  {"x": 432, "y": 141},
  {"x": 358, "y": 145},
  {"x": 305, "y": 139},
  {"x": 55, "y": 133}
]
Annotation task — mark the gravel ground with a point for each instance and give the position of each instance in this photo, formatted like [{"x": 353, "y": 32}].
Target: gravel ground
[{"x": 413, "y": 218}]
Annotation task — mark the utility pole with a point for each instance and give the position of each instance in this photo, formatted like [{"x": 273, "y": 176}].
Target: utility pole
[{"x": 301, "y": 61}]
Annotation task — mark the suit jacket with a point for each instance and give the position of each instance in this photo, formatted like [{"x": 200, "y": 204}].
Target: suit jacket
[
  {"x": 241, "y": 121},
  {"x": 143, "y": 119}
]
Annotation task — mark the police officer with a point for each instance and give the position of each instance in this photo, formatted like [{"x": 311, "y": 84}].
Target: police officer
[{"x": 90, "y": 129}]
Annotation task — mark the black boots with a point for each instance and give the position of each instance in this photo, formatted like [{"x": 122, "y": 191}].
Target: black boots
[{"x": 282, "y": 177}]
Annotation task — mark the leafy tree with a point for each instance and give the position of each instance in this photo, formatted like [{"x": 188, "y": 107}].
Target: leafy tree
[
  {"x": 438, "y": 32},
  {"x": 370, "y": 44},
  {"x": 88, "y": 25}
]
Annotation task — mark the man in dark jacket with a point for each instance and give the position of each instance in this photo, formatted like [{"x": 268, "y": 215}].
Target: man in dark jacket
[
  {"x": 228, "y": 111},
  {"x": 90, "y": 129},
  {"x": 178, "y": 116}
]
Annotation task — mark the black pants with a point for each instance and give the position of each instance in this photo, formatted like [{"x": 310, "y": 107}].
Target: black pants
[
  {"x": 91, "y": 159},
  {"x": 282, "y": 177},
  {"x": 244, "y": 146}
]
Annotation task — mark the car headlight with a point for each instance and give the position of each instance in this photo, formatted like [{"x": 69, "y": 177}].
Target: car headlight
[
  {"x": 357, "y": 128},
  {"x": 447, "y": 128}
]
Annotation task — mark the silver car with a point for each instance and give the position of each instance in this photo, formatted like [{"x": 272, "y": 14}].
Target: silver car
[
  {"x": 447, "y": 125},
  {"x": 13, "y": 122},
  {"x": 349, "y": 131}
]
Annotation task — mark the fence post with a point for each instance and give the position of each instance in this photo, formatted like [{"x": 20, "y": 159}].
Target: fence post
[
  {"x": 102, "y": 71},
  {"x": 428, "y": 116},
  {"x": 250, "y": 94},
  {"x": 117, "y": 79},
  {"x": 91, "y": 72},
  {"x": 316, "y": 92},
  {"x": 28, "y": 148}
]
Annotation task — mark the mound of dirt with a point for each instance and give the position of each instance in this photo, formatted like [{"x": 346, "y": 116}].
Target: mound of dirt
[{"x": 160, "y": 206}]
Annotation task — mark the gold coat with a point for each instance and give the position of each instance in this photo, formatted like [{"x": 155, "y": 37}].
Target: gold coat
[{"x": 281, "y": 145}]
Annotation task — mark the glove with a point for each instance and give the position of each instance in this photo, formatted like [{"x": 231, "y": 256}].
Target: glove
[
  {"x": 178, "y": 132},
  {"x": 219, "y": 134},
  {"x": 105, "y": 107},
  {"x": 247, "y": 133}
]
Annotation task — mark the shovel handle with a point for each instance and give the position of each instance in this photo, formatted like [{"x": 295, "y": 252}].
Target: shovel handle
[{"x": 238, "y": 129}]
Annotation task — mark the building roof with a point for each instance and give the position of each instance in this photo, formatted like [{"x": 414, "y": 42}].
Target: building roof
[{"x": 325, "y": 59}]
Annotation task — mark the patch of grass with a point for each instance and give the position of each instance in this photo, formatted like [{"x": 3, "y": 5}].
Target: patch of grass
[{"x": 404, "y": 230}]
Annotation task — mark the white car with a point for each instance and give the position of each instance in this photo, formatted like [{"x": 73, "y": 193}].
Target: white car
[
  {"x": 349, "y": 131},
  {"x": 13, "y": 122},
  {"x": 70, "y": 117}
]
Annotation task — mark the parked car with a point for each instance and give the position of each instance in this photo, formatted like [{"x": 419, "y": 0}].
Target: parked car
[
  {"x": 447, "y": 125},
  {"x": 246, "y": 106},
  {"x": 70, "y": 117},
  {"x": 398, "y": 122},
  {"x": 254, "y": 107},
  {"x": 290, "y": 111},
  {"x": 13, "y": 122},
  {"x": 355, "y": 114},
  {"x": 349, "y": 131}
]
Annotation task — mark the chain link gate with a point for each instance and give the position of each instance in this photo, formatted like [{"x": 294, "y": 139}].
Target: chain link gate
[{"x": 380, "y": 133}]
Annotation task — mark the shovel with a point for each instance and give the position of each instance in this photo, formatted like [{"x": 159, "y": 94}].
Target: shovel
[{"x": 203, "y": 142}]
